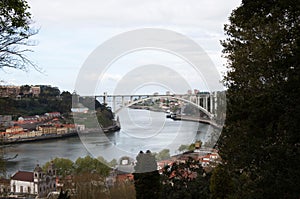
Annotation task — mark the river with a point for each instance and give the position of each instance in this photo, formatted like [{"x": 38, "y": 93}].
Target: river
[{"x": 140, "y": 130}]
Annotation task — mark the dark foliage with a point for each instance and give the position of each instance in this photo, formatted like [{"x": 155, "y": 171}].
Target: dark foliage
[
  {"x": 260, "y": 141},
  {"x": 146, "y": 176},
  {"x": 64, "y": 195}
]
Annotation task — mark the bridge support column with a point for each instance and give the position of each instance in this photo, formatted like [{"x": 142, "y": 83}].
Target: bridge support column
[
  {"x": 114, "y": 103},
  {"x": 198, "y": 101},
  {"x": 216, "y": 102},
  {"x": 123, "y": 101},
  {"x": 206, "y": 103},
  {"x": 211, "y": 103},
  {"x": 131, "y": 98},
  {"x": 104, "y": 97}
]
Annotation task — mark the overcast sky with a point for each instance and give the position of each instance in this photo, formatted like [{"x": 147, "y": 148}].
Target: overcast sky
[{"x": 71, "y": 29}]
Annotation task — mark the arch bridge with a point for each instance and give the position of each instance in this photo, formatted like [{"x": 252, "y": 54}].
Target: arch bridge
[{"x": 204, "y": 101}]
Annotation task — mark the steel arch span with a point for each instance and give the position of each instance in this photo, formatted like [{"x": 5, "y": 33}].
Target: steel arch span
[{"x": 210, "y": 115}]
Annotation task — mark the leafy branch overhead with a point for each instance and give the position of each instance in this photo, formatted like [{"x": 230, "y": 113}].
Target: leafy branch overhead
[{"x": 15, "y": 33}]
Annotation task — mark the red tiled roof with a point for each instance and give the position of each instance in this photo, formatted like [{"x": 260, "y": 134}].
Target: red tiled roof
[
  {"x": 15, "y": 127},
  {"x": 205, "y": 160},
  {"x": 52, "y": 113},
  {"x": 23, "y": 176},
  {"x": 165, "y": 162}
]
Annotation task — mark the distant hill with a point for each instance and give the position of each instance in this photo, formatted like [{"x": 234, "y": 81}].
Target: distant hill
[{"x": 50, "y": 99}]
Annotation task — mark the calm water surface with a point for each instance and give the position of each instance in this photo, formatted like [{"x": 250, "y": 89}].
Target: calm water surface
[{"x": 141, "y": 130}]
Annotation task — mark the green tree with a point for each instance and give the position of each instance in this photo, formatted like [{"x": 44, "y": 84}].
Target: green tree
[
  {"x": 105, "y": 116},
  {"x": 183, "y": 148},
  {"x": 112, "y": 163},
  {"x": 146, "y": 176},
  {"x": 163, "y": 155},
  {"x": 91, "y": 165},
  {"x": 260, "y": 141},
  {"x": 221, "y": 184},
  {"x": 25, "y": 89},
  {"x": 15, "y": 32},
  {"x": 191, "y": 147},
  {"x": 89, "y": 178},
  {"x": 49, "y": 92},
  {"x": 66, "y": 102},
  {"x": 7, "y": 106},
  {"x": 63, "y": 166},
  {"x": 45, "y": 103}
]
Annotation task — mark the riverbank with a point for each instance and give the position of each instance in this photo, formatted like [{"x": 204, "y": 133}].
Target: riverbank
[
  {"x": 149, "y": 108},
  {"x": 109, "y": 129},
  {"x": 37, "y": 136},
  {"x": 194, "y": 119}
]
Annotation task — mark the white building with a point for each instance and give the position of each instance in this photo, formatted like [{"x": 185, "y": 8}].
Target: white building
[
  {"x": 34, "y": 183},
  {"x": 53, "y": 114},
  {"x": 80, "y": 110}
]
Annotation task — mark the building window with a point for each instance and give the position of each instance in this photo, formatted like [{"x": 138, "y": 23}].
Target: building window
[
  {"x": 21, "y": 189},
  {"x": 28, "y": 190}
]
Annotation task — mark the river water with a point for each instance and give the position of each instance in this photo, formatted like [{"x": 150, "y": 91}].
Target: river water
[{"x": 140, "y": 130}]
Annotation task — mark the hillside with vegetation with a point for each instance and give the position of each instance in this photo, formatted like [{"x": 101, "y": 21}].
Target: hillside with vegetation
[{"x": 51, "y": 99}]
